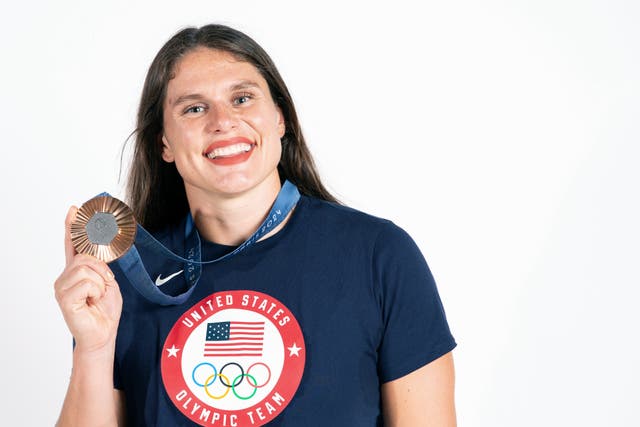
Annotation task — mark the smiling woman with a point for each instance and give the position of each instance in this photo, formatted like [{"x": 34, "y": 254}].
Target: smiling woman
[
  {"x": 222, "y": 129},
  {"x": 295, "y": 290},
  {"x": 154, "y": 183}
]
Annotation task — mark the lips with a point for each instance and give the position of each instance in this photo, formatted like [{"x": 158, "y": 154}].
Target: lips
[{"x": 229, "y": 151}]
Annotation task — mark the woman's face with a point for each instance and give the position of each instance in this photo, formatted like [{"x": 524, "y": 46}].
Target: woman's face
[{"x": 221, "y": 127}]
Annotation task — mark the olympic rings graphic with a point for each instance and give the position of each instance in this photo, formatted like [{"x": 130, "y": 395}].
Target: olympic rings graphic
[
  {"x": 206, "y": 383},
  {"x": 233, "y": 388},
  {"x": 224, "y": 380},
  {"x": 234, "y": 381},
  {"x": 214, "y": 378},
  {"x": 254, "y": 380}
]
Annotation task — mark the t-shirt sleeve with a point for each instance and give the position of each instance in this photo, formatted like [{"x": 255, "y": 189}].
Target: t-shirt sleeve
[{"x": 415, "y": 328}]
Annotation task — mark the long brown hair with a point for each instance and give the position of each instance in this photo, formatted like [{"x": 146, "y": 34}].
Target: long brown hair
[{"x": 155, "y": 190}]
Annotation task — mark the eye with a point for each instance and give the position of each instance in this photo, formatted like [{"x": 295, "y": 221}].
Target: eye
[
  {"x": 242, "y": 98},
  {"x": 195, "y": 109}
]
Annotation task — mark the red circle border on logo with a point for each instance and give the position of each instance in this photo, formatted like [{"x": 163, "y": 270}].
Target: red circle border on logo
[{"x": 292, "y": 370}]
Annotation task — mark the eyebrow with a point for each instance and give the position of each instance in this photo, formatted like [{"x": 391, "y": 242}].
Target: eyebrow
[
  {"x": 187, "y": 98},
  {"x": 244, "y": 84}
]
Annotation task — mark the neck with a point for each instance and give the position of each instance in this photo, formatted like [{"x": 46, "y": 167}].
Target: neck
[{"x": 232, "y": 219}]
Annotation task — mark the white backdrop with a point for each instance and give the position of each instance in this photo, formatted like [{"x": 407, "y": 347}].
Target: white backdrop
[{"x": 502, "y": 135}]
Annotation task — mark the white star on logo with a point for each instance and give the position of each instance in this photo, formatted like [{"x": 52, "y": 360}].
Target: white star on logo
[
  {"x": 173, "y": 351},
  {"x": 294, "y": 350}
]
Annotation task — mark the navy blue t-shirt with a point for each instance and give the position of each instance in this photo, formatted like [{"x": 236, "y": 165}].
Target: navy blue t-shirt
[{"x": 300, "y": 329}]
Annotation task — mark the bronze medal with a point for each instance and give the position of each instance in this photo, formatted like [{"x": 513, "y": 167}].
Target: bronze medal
[{"x": 104, "y": 227}]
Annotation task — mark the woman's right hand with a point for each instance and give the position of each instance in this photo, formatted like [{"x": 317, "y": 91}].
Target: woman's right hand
[{"x": 88, "y": 296}]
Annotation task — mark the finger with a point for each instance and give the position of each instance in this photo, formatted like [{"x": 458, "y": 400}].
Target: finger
[
  {"x": 78, "y": 296},
  {"x": 94, "y": 263},
  {"x": 69, "y": 250},
  {"x": 77, "y": 273},
  {"x": 83, "y": 266},
  {"x": 112, "y": 297}
]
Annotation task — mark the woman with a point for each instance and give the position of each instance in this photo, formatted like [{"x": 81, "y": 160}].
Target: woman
[{"x": 326, "y": 316}]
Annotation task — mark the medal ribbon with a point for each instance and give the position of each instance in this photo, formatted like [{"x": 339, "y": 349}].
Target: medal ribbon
[{"x": 132, "y": 266}]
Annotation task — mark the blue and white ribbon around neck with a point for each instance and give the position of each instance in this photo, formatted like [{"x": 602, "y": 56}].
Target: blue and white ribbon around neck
[{"x": 133, "y": 267}]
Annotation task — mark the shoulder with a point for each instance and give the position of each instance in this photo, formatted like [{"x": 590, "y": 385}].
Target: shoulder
[
  {"x": 327, "y": 216},
  {"x": 356, "y": 228}
]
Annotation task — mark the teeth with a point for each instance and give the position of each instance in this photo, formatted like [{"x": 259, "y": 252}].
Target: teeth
[{"x": 231, "y": 150}]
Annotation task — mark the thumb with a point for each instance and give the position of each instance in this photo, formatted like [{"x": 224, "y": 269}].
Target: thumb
[{"x": 69, "y": 250}]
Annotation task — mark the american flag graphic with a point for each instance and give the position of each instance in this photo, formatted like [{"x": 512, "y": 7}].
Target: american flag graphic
[{"x": 230, "y": 339}]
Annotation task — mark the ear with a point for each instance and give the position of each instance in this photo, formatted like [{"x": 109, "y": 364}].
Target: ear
[
  {"x": 167, "y": 151},
  {"x": 282, "y": 127}
]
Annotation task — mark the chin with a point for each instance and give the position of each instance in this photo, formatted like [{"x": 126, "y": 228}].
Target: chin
[{"x": 238, "y": 183}]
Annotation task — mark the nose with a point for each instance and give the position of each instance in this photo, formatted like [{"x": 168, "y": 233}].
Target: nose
[{"x": 221, "y": 118}]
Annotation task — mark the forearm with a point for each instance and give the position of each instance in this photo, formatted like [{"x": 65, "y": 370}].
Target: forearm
[
  {"x": 423, "y": 398},
  {"x": 90, "y": 399}
]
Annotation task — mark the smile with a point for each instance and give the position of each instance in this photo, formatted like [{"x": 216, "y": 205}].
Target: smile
[{"x": 230, "y": 150}]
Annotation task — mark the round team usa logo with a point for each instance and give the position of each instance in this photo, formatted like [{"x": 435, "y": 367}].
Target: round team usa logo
[{"x": 234, "y": 359}]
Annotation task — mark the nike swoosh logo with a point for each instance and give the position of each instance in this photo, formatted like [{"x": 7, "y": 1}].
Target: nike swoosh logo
[{"x": 160, "y": 281}]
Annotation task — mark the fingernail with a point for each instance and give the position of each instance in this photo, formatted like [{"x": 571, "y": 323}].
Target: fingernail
[{"x": 109, "y": 274}]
